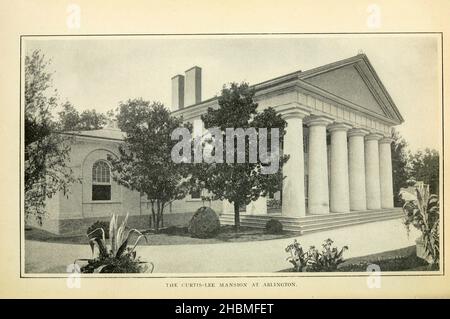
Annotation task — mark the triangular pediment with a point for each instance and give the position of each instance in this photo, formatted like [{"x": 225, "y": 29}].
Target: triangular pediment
[{"x": 354, "y": 81}]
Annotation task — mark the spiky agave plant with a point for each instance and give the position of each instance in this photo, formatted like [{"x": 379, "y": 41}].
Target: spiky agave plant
[{"x": 119, "y": 258}]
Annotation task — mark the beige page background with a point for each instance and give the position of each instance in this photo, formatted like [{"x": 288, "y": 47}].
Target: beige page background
[{"x": 47, "y": 17}]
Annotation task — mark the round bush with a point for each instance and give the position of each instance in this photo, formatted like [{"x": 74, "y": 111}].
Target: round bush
[
  {"x": 204, "y": 223},
  {"x": 273, "y": 226},
  {"x": 99, "y": 224}
]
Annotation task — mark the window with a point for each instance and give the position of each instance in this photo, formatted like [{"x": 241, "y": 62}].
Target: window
[
  {"x": 101, "y": 181},
  {"x": 196, "y": 194}
]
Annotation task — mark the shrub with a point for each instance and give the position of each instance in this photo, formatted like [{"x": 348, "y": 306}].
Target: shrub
[
  {"x": 99, "y": 225},
  {"x": 423, "y": 214},
  {"x": 126, "y": 263},
  {"x": 274, "y": 226},
  {"x": 395, "y": 263},
  {"x": 118, "y": 258},
  {"x": 313, "y": 260},
  {"x": 204, "y": 223},
  {"x": 273, "y": 203}
]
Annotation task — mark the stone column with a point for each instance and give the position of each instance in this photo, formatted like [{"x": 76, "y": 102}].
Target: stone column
[
  {"x": 293, "y": 203},
  {"x": 372, "y": 171},
  {"x": 357, "y": 169},
  {"x": 339, "y": 189},
  {"x": 257, "y": 207},
  {"x": 318, "y": 202},
  {"x": 386, "y": 187}
]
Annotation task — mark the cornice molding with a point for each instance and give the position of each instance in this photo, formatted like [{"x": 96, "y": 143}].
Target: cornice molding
[
  {"x": 357, "y": 132},
  {"x": 321, "y": 120},
  {"x": 386, "y": 140},
  {"x": 335, "y": 127},
  {"x": 373, "y": 137},
  {"x": 292, "y": 110},
  {"x": 334, "y": 99},
  {"x": 294, "y": 81}
]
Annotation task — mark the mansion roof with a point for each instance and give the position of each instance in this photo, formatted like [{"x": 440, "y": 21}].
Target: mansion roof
[
  {"x": 352, "y": 83},
  {"x": 106, "y": 133}
]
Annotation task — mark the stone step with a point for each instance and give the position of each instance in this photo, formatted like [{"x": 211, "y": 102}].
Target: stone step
[
  {"x": 308, "y": 221},
  {"x": 307, "y": 225},
  {"x": 318, "y": 217},
  {"x": 298, "y": 228},
  {"x": 318, "y": 229},
  {"x": 312, "y": 224},
  {"x": 351, "y": 213}
]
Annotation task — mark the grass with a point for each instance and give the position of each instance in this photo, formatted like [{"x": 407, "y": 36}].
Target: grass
[
  {"x": 403, "y": 259},
  {"x": 170, "y": 236}
]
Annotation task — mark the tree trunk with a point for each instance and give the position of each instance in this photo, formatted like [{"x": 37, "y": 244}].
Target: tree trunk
[
  {"x": 159, "y": 215},
  {"x": 153, "y": 218},
  {"x": 237, "y": 220}
]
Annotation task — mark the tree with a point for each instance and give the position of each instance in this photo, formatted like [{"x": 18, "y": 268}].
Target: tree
[
  {"x": 400, "y": 171},
  {"x": 425, "y": 168},
  {"x": 239, "y": 182},
  {"x": 92, "y": 120},
  {"x": 144, "y": 163},
  {"x": 46, "y": 153},
  {"x": 71, "y": 120}
]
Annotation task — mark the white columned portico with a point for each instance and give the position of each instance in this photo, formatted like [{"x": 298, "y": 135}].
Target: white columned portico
[
  {"x": 318, "y": 202},
  {"x": 372, "y": 171},
  {"x": 293, "y": 203},
  {"x": 386, "y": 188},
  {"x": 357, "y": 169},
  {"x": 339, "y": 179}
]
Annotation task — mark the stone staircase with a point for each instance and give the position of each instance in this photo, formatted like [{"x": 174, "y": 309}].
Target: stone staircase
[{"x": 315, "y": 223}]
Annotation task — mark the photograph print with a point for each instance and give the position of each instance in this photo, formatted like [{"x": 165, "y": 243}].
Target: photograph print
[{"x": 215, "y": 154}]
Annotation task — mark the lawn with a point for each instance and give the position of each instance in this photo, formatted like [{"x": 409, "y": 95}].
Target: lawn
[
  {"x": 170, "y": 236},
  {"x": 403, "y": 259}
]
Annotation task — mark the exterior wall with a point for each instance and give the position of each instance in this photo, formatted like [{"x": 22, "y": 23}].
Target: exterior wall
[
  {"x": 79, "y": 226},
  {"x": 74, "y": 212},
  {"x": 94, "y": 152}
]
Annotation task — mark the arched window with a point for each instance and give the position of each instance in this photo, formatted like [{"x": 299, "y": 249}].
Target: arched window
[{"x": 101, "y": 181}]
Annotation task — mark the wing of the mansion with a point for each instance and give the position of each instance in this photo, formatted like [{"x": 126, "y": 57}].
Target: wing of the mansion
[{"x": 339, "y": 119}]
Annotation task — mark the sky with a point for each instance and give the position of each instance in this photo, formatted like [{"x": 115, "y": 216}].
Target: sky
[{"x": 100, "y": 72}]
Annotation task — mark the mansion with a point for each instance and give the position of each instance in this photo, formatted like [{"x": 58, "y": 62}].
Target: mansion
[{"x": 339, "y": 119}]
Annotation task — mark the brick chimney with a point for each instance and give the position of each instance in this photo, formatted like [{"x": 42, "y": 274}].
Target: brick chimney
[
  {"x": 193, "y": 86},
  {"x": 177, "y": 92}
]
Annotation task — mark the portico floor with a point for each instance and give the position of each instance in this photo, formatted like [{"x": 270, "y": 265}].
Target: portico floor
[{"x": 258, "y": 256}]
